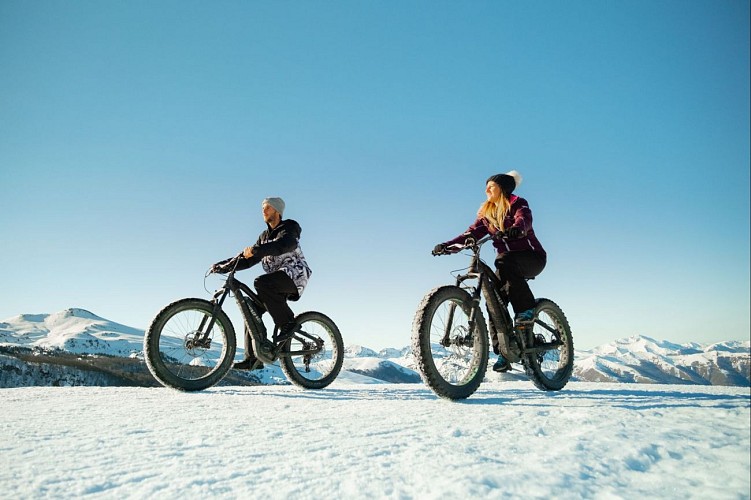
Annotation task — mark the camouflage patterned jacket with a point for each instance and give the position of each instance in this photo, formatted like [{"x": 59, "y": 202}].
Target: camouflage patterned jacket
[{"x": 279, "y": 249}]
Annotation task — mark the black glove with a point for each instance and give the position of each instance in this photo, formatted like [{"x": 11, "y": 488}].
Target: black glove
[
  {"x": 220, "y": 267},
  {"x": 513, "y": 233},
  {"x": 439, "y": 249}
]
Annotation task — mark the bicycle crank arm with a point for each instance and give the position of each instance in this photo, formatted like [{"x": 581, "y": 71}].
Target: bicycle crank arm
[
  {"x": 260, "y": 354},
  {"x": 301, "y": 353}
]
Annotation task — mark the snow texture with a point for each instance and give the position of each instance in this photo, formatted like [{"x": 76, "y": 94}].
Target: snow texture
[{"x": 592, "y": 440}]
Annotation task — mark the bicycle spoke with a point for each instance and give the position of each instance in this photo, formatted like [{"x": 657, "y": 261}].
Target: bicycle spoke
[
  {"x": 313, "y": 357},
  {"x": 182, "y": 352},
  {"x": 451, "y": 326}
]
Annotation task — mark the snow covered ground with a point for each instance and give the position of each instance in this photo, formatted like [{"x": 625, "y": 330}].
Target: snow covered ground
[{"x": 377, "y": 441}]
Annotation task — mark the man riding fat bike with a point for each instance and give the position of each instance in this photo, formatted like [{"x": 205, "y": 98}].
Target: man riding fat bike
[{"x": 287, "y": 273}]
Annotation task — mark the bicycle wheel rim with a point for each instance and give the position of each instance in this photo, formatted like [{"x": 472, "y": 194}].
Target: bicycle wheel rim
[
  {"x": 552, "y": 363},
  {"x": 456, "y": 363},
  {"x": 319, "y": 366},
  {"x": 183, "y": 360}
]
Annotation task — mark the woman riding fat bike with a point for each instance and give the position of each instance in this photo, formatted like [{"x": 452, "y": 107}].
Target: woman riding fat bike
[{"x": 520, "y": 256}]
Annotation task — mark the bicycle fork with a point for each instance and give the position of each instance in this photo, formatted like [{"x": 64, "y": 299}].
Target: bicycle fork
[
  {"x": 473, "y": 316},
  {"x": 202, "y": 336},
  {"x": 468, "y": 340}
]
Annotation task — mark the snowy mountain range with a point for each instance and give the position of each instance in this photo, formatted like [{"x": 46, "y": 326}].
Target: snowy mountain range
[{"x": 77, "y": 347}]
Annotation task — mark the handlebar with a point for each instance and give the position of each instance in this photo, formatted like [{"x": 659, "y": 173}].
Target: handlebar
[
  {"x": 230, "y": 264},
  {"x": 470, "y": 243}
]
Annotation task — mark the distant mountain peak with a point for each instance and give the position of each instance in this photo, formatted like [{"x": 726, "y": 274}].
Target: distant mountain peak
[
  {"x": 74, "y": 312},
  {"x": 637, "y": 358},
  {"x": 73, "y": 330},
  {"x": 358, "y": 351},
  {"x": 643, "y": 359}
]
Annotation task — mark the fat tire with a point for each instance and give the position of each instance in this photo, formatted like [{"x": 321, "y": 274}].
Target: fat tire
[
  {"x": 288, "y": 363},
  {"x": 422, "y": 349},
  {"x": 157, "y": 365},
  {"x": 539, "y": 376}
]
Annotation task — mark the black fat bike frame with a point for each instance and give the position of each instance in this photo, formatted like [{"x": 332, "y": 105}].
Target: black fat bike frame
[
  {"x": 450, "y": 337},
  {"x": 513, "y": 343},
  {"x": 251, "y": 308}
]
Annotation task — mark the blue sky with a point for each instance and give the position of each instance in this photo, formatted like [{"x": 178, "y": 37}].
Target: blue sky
[{"x": 137, "y": 140}]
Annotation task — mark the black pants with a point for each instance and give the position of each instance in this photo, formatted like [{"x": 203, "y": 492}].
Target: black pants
[
  {"x": 513, "y": 269},
  {"x": 274, "y": 289}
]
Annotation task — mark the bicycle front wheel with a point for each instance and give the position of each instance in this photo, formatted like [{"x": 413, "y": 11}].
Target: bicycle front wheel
[
  {"x": 314, "y": 370},
  {"x": 452, "y": 359},
  {"x": 550, "y": 370},
  {"x": 181, "y": 354}
]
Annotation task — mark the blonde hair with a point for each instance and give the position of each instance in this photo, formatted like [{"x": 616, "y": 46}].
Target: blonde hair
[{"x": 495, "y": 213}]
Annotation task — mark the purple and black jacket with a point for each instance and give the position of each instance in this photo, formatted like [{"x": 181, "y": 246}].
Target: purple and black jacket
[{"x": 519, "y": 215}]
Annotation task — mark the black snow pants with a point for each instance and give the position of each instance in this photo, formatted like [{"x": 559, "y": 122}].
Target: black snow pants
[
  {"x": 514, "y": 268},
  {"x": 274, "y": 289}
]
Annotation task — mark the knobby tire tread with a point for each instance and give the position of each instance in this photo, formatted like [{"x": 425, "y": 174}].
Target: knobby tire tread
[
  {"x": 287, "y": 363},
  {"x": 531, "y": 365},
  {"x": 422, "y": 349},
  {"x": 151, "y": 346}
]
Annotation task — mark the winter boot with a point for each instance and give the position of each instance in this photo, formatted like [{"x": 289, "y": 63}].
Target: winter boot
[
  {"x": 502, "y": 365},
  {"x": 248, "y": 364}
]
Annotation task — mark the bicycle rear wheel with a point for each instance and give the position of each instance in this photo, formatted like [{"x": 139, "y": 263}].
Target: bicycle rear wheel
[
  {"x": 550, "y": 370},
  {"x": 313, "y": 371},
  {"x": 451, "y": 358},
  {"x": 176, "y": 352}
]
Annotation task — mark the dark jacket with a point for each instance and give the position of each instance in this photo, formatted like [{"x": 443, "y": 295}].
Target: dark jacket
[
  {"x": 519, "y": 215},
  {"x": 279, "y": 249}
]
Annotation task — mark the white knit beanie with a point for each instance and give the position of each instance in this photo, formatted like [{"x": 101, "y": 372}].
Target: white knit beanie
[{"x": 275, "y": 203}]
